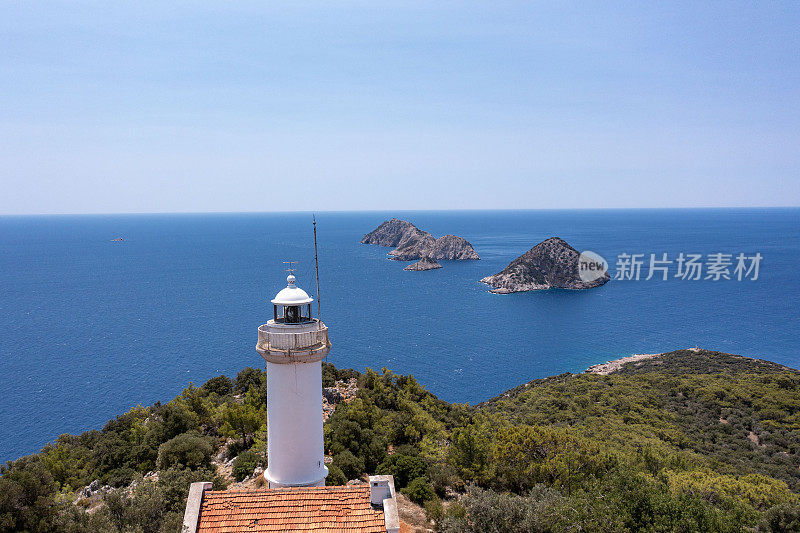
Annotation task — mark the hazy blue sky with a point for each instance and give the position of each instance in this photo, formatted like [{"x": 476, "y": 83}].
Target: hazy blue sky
[{"x": 233, "y": 106}]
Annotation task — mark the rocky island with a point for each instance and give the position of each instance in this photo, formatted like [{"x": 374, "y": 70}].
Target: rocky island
[
  {"x": 411, "y": 243},
  {"x": 426, "y": 263},
  {"x": 551, "y": 264}
]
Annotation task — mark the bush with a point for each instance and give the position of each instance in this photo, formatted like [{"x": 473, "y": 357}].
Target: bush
[
  {"x": 404, "y": 468},
  {"x": 249, "y": 377},
  {"x": 434, "y": 511},
  {"x": 119, "y": 477},
  {"x": 221, "y": 385},
  {"x": 189, "y": 449},
  {"x": 176, "y": 419},
  {"x": 244, "y": 464},
  {"x": 331, "y": 374},
  {"x": 485, "y": 510},
  {"x": 151, "y": 507},
  {"x": 443, "y": 475},
  {"x": 335, "y": 476},
  {"x": 350, "y": 465},
  {"x": 26, "y": 496},
  {"x": 784, "y": 517},
  {"x": 419, "y": 491}
]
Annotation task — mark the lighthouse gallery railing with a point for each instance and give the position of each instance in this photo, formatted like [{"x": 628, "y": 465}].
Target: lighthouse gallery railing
[{"x": 298, "y": 343}]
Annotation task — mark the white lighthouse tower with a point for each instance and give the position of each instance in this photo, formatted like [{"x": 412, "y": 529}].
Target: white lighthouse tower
[{"x": 293, "y": 345}]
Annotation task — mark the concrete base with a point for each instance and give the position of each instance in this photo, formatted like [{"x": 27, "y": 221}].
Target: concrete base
[{"x": 273, "y": 484}]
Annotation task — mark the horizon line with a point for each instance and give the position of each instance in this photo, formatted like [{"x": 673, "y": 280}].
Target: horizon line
[{"x": 687, "y": 208}]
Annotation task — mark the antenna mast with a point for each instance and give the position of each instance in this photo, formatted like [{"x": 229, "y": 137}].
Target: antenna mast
[{"x": 316, "y": 265}]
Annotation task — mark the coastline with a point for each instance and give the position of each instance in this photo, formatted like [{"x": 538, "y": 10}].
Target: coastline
[{"x": 615, "y": 365}]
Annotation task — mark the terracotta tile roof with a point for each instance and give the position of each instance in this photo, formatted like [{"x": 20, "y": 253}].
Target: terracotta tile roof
[{"x": 317, "y": 509}]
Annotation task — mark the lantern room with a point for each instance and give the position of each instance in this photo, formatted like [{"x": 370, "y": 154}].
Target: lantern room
[{"x": 292, "y": 305}]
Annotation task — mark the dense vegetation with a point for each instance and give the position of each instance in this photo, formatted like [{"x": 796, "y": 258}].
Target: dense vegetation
[{"x": 688, "y": 442}]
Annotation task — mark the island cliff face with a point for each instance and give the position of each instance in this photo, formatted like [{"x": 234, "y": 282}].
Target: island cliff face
[
  {"x": 411, "y": 243},
  {"x": 551, "y": 264}
]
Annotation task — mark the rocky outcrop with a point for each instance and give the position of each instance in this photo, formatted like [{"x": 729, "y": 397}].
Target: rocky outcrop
[
  {"x": 426, "y": 263},
  {"x": 390, "y": 233},
  {"x": 342, "y": 391},
  {"x": 412, "y": 243},
  {"x": 416, "y": 244},
  {"x": 551, "y": 264},
  {"x": 453, "y": 248}
]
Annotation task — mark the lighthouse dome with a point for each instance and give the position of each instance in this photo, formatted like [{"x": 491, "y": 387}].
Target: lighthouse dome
[{"x": 292, "y": 294}]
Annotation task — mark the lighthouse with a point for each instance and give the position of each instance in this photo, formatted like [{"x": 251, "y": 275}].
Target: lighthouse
[{"x": 293, "y": 345}]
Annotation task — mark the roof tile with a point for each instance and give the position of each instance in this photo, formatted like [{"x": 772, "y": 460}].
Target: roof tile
[{"x": 312, "y": 509}]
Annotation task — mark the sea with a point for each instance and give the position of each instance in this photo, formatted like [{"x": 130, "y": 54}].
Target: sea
[{"x": 91, "y": 326}]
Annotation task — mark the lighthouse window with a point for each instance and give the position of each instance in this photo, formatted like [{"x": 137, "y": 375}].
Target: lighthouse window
[{"x": 292, "y": 314}]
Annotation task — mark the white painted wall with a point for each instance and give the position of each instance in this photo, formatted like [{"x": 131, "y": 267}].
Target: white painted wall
[{"x": 294, "y": 423}]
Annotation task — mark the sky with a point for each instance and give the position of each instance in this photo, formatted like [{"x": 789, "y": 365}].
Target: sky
[{"x": 119, "y": 107}]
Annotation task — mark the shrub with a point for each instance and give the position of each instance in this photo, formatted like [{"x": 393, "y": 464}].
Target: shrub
[
  {"x": 26, "y": 496},
  {"x": 434, "y": 511},
  {"x": 241, "y": 420},
  {"x": 335, "y": 476},
  {"x": 221, "y": 385},
  {"x": 249, "y": 377},
  {"x": 189, "y": 449},
  {"x": 350, "y": 465},
  {"x": 330, "y": 374},
  {"x": 485, "y": 510},
  {"x": 419, "y": 491},
  {"x": 784, "y": 517},
  {"x": 119, "y": 477},
  {"x": 404, "y": 468},
  {"x": 244, "y": 464},
  {"x": 443, "y": 475}
]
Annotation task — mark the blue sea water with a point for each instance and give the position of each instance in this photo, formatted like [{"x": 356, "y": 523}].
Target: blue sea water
[{"x": 89, "y": 328}]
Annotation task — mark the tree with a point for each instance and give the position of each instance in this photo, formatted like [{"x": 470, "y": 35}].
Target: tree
[
  {"x": 241, "y": 420},
  {"x": 335, "y": 476},
  {"x": 469, "y": 452},
  {"x": 176, "y": 419},
  {"x": 403, "y": 467},
  {"x": 419, "y": 491},
  {"x": 221, "y": 385},
  {"x": 244, "y": 464},
  {"x": 26, "y": 497},
  {"x": 350, "y": 465},
  {"x": 246, "y": 378},
  {"x": 189, "y": 449}
]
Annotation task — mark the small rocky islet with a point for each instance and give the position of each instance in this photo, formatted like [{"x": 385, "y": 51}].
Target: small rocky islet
[
  {"x": 551, "y": 264},
  {"x": 426, "y": 263},
  {"x": 413, "y": 244}
]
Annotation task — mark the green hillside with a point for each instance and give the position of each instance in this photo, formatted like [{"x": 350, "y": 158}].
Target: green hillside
[{"x": 690, "y": 441}]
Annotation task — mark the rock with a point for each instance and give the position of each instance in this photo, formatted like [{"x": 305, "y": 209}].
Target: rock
[
  {"x": 332, "y": 394},
  {"x": 258, "y": 471},
  {"x": 390, "y": 233},
  {"x": 416, "y": 245},
  {"x": 551, "y": 264},
  {"x": 426, "y": 263},
  {"x": 411, "y": 243},
  {"x": 86, "y": 492},
  {"x": 453, "y": 248},
  {"x": 94, "y": 486},
  {"x": 342, "y": 391}
]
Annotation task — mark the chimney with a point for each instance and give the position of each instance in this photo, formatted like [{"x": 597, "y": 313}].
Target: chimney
[
  {"x": 380, "y": 489},
  {"x": 381, "y": 493}
]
